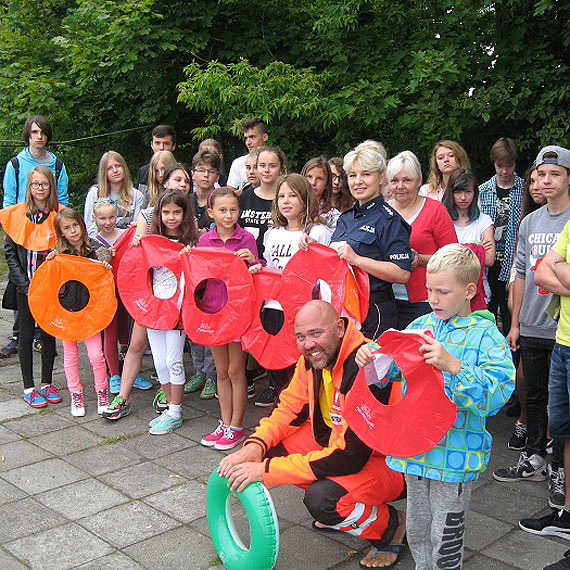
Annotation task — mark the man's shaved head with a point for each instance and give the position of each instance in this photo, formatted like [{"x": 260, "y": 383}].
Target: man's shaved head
[{"x": 319, "y": 333}]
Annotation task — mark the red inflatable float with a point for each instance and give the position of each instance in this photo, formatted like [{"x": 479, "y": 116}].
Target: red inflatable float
[
  {"x": 121, "y": 245},
  {"x": 135, "y": 287},
  {"x": 415, "y": 424},
  {"x": 228, "y": 306},
  {"x": 52, "y": 317}
]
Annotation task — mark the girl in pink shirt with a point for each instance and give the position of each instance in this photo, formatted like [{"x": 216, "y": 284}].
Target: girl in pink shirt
[{"x": 223, "y": 208}]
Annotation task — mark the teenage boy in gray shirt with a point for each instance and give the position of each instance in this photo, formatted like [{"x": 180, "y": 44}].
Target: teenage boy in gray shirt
[{"x": 535, "y": 330}]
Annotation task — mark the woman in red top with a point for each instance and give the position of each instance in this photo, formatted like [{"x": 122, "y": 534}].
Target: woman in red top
[{"x": 432, "y": 228}]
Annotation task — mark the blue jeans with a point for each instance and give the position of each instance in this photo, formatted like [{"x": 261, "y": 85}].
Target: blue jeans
[{"x": 559, "y": 392}]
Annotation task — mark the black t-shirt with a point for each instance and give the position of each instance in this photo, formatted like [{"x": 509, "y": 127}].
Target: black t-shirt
[
  {"x": 255, "y": 216},
  {"x": 501, "y": 223},
  {"x": 201, "y": 214}
]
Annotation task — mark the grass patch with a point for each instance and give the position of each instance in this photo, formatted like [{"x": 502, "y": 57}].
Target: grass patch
[{"x": 119, "y": 438}]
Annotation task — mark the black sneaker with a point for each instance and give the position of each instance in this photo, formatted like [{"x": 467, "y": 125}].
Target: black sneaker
[
  {"x": 10, "y": 349},
  {"x": 38, "y": 344},
  {"x": 117, "y": 409},
  {"x": 260, "y": 373},
  {"x": 550, "y": 447},
  {"x": 267, "y": 398},
  {"x": 518, "y": 439},
  {"x": 531, "y": 468},
  {"x": 557, "y": 523},
  {"x": 250, "y": 389},
  {"x": 556, "y": 487},
  {"x": 563, "y": 564}
]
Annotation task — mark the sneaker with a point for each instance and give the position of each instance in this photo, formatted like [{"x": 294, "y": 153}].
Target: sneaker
[
  {"x": 35, "y": 399},
  {"x": 550, "y": 447},
  {"x": 209, "y": 389},
  {"x": 157, "y": 419},
  {"x": 115, "y": 384},
  {"x": 518, "y": 439},
  {"x": 50, "y": 393},
  {"x": 261, "y": 373},
  {"x": 10, "y": 349},
  {"x": 142, "y": 383},
  {"x": 250, "y": 390},
  {"x": 556, "y": 523},
  {"x": 117, "y": 409},
  {"x": 37, "y": 344},
  {"x": 195, "y": 383},
  {"x": 102, "y": 401},
  {"x": 211, "y": 439},
  {"x": 77, "y": 404},
  {"x": 230, "y": 438},
  {"x": 563, "y": 564},
  {"x": 531, "y": 468},
  {"x": 556, "y": 487},
  {"x": 267, "y": 398},
  {"x": 160, "y": 402},
  {"x": 165, "y": 424}
]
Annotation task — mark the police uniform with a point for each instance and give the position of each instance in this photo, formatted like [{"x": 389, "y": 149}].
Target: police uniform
[{"x": 377, "y": 231}]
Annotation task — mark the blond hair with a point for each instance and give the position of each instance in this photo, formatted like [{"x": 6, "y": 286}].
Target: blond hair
[
  {"x": 155, "y": 187},
  {"x": 126, "y": 193},
  {"x": 457, "y": 259},
  {"x": 52, "y": 201}
]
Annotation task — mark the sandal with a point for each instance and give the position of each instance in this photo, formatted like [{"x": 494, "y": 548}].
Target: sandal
[
  {"x": 323, "y": 528},
  {"x": 393, "y": 548}
]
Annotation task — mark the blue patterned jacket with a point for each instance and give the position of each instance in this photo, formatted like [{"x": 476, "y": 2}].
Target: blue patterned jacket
[
  {"x": 485, "y": 382},
  {"x": 488, "y": 202}
]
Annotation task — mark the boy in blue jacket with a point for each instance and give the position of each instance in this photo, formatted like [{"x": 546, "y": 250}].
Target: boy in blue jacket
[{"x": 479, "y": 378}]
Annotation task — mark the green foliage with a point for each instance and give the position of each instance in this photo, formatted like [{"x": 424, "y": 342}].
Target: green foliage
[{"x": 325, "y": 74}]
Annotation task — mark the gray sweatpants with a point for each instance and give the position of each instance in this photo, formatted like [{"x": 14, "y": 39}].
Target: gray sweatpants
[
  {"x": 203, "y": 360},
  {"x": 435, "y": 522}
]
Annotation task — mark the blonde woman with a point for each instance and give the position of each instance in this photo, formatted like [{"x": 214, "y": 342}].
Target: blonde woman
[{"x": 113, "y": 181}]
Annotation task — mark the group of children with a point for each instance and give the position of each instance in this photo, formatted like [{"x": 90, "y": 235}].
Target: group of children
[{"x": 263, "y": 222}]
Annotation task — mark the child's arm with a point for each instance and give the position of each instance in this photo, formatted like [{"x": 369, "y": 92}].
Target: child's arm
[
  {"x": 483, "y": 387},
  {"x": 249, "y": 252},
  {"x": 546, "y": 276}
]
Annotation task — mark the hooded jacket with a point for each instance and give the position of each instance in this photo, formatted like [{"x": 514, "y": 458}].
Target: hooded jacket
[
  {"x": 484, "y": 383},
  {"x": 342, "y": 452},
  {"x": 14, "y": 193}
]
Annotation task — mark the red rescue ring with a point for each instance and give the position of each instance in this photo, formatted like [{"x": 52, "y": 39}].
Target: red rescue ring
[
  {"x": 271, "y": 351},
  {"x": 135, "y": 287},
  {"x": 230, "y": 322},
  {"x": 319, "y": 262},
  {"x": 121, "y": 246},
  {"x": 49, "y": 313},
  {"x": 424, "y": 415}
]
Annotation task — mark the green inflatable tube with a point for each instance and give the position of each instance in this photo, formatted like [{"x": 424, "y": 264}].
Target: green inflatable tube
[{"x": 262, "y": 519}]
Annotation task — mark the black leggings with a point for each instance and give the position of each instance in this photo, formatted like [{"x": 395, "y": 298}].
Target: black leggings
[{"x": 25, "y": 345}]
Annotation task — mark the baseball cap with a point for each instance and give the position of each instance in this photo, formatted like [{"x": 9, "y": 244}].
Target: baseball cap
[{"x": 559, "y": 156}]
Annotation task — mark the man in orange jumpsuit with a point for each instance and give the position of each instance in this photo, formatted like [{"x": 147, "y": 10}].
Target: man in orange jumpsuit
[{"x": 307, "y": 442}]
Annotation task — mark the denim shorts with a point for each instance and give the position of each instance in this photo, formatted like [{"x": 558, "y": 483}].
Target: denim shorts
[{"x": 559, "y": 392}]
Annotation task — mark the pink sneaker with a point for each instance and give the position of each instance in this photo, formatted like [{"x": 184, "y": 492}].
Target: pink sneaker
[
  {"x": 230, "y": 438},
  {"x": 77, "y": 404},
  {"x": 211, "y": 439},
  {"x": 102, "y": 401}
]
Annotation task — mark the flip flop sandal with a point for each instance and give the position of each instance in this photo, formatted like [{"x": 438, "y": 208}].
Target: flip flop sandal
[
  {"x": 394, "y": 548},
  {"x": 323, "y": 529}
]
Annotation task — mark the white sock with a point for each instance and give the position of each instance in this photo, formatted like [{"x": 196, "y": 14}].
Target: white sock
[
  {"x": 175, "y": 411},
  {"x": 28, "y": 390}
]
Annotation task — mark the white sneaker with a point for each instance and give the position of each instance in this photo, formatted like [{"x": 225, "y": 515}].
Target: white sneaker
[
  {"x": 102, "y": 401},
  {"x": 77, "y": 404}
]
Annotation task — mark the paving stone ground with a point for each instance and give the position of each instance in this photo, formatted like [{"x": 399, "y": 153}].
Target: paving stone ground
[{"x": 91, "y": 494}]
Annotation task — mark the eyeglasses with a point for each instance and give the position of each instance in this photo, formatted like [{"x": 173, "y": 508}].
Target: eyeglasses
[
  {"x": 208, "y": 171},
  {"x": 38, "y": 185},
  {"x": 337, "y": 177}
]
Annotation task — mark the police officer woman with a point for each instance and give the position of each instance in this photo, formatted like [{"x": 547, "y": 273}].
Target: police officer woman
[{"x": 373, "y": 236}]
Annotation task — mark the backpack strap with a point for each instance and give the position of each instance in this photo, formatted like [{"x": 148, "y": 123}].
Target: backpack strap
[
  {"x": 58, "y": 169},
  {"x": 16, "y": 164}
]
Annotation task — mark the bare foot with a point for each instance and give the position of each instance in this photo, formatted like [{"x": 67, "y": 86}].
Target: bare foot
[{"x": 379, "y": 559}]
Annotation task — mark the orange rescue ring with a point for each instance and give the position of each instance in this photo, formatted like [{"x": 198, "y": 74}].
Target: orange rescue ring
[
  {"x": 424, "y": 415},
  {"x": 231, "y": 320},
  {"x": 135, "y": 287},
  {"x": 50, "y": 314},
  {"x": 24, "y": 232},
  {"x": 272, "y": 351}
]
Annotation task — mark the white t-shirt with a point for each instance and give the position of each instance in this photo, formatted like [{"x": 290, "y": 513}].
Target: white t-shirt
[
  {"x": 472, "y": 234},
  {"x": 238, "y": 174}
]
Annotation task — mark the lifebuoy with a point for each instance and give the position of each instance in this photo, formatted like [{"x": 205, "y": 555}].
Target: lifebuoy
[
  {"x": 120, "y": 246},
  {"x": 135, "y": 287},
  {"x": 423, "y": 416},
  {"x": 231, "y": 319},
  {"x": 49, "y": 313},
  {"x": 24, "y": 232},
  {"x": 279, "y": 350},
  {"x": 263, "y": 525}
]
